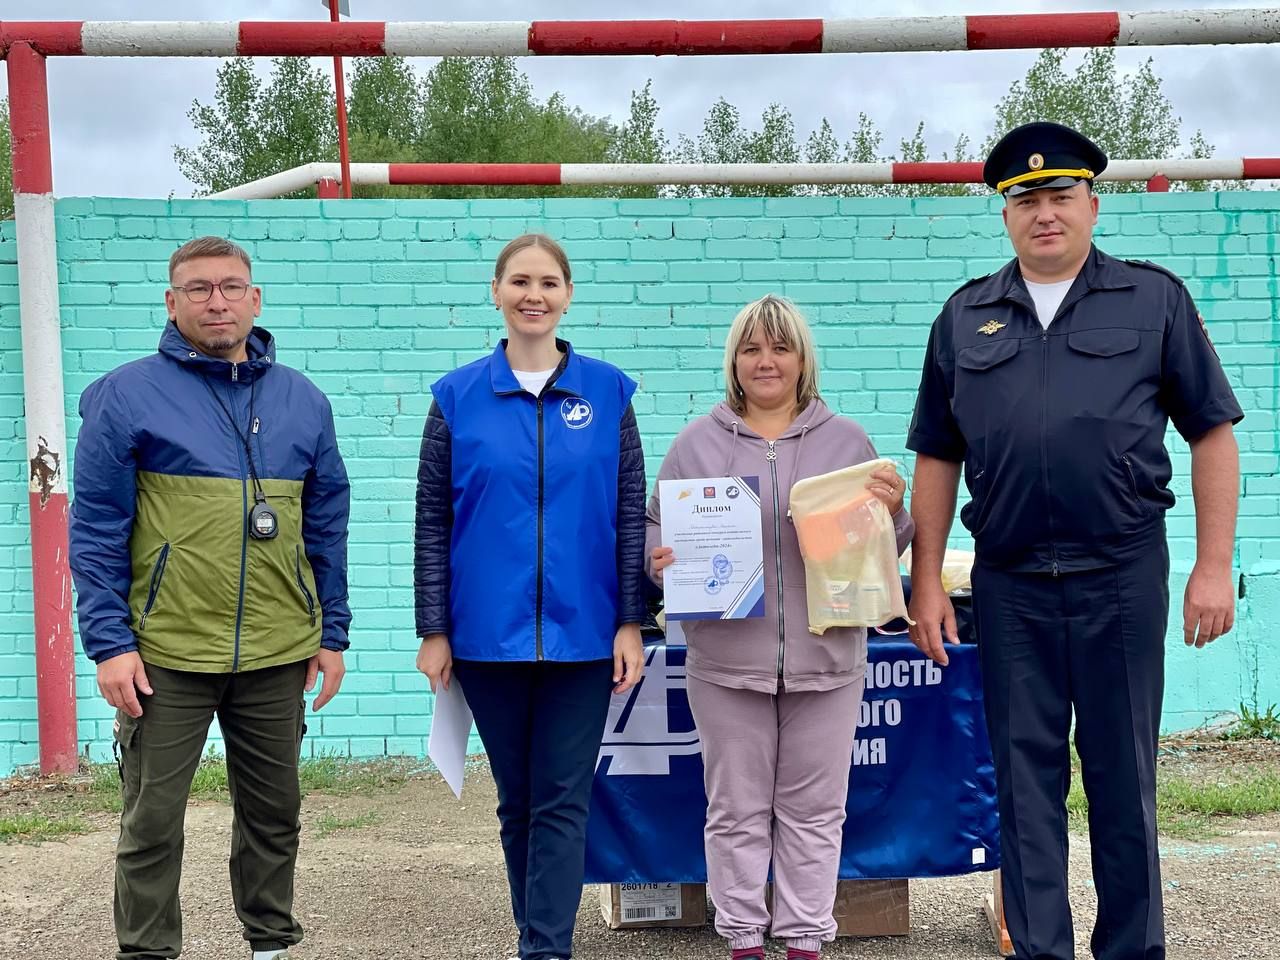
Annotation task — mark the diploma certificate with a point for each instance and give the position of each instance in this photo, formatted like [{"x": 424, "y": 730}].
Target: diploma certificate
[{"x": 713, "y": 527}]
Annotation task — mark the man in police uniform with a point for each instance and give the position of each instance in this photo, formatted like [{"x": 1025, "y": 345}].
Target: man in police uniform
[{"x": 1052, "y": 382}]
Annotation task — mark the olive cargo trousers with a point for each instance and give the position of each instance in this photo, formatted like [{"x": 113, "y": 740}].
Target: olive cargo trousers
[{"x": 260, "y": 713}]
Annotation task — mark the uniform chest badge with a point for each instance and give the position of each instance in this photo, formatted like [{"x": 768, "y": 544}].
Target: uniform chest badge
[{"x": 991, "y": 326}]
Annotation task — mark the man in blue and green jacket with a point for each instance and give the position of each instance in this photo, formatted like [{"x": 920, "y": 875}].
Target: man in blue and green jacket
[{"x": 209, "y": 550}]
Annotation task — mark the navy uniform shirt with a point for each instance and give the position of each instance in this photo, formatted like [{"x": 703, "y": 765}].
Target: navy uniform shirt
[{"x": 1061, "y": 431}]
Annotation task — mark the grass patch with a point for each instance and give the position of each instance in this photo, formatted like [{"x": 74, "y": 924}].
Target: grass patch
[
  {"x": 1254, "y": 724},
  {"x": 328, "y": 824},
  {"x": 39, "y": 810},
  {"x": 1194, "y": 810},
  {"x": 34, "y": 827},
  {"x": 103, "y": 790},
  {"x": 210, "y": 780},
  {"x": 343, "y": 776},
  {"x": 100, "y": 790}
]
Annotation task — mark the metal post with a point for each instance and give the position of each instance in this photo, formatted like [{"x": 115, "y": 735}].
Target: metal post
[
  {"x": 339, "y": 87},
  {"x": 45, "y": 422}
]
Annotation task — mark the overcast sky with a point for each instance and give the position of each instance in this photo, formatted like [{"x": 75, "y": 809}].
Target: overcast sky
[{"x": 115, "y": 120}]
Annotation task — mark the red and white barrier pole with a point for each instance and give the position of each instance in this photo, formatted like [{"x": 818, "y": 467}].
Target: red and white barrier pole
[
  {"x": 46, "y": 425},
  {"x": 578, "y": 38},
  {"x": 323, "y": 175}
]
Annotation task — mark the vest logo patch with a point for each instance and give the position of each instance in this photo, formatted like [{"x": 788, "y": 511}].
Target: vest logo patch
[{"x": 575, "y": 412}]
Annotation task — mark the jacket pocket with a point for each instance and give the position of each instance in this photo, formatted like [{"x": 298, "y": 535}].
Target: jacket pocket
[
  {"x": 302, "y": 584},
  {"x": 125, "y": 733},
  {"x": 984, "y": 356},
  {"x": 1104, "y": 343},
  {"x": 153, "y": 590}
]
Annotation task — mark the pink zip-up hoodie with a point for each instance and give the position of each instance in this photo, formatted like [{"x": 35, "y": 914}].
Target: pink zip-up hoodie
[{"x": 756, "y": 654}]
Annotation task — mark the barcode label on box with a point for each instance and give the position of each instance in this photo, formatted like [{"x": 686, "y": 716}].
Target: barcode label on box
[{"x": 649, "y": 901}]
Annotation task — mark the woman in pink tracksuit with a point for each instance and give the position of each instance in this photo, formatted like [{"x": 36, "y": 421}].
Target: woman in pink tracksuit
[{"x": 775, "y": 705}]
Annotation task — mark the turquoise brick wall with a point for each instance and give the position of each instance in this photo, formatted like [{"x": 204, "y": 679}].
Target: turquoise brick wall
[{"x": 374, "y": 299}]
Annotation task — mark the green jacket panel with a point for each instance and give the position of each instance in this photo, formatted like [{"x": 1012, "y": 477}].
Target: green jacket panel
[{"x": 191, "y": 554}]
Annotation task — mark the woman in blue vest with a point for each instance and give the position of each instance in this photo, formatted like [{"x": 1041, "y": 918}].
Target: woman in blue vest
[{"x": 528, "y": 567}]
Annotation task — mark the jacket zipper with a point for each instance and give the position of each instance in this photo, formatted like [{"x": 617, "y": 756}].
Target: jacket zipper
[
  {"x": 157, "y": 574},
  {"x": 297, "y": 563},
  {"x": 772, "y": 457},
  {"x": 1044, "y": 455},
  {"x": 244, "y": 537},
  {"x": 537, "y": 623}
]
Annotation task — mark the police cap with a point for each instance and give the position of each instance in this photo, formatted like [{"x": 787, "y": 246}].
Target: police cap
[{"x": 1038, "y": 155}]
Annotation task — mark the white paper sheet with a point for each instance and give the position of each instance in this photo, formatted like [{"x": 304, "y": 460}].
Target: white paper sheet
[{"x": 450, "y": 730}]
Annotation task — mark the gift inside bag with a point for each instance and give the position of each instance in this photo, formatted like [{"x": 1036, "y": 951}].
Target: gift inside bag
[{"x": 849, "y": 549}]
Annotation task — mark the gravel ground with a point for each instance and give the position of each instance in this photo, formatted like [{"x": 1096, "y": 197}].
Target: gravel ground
[{"x": 424, "y": 879}]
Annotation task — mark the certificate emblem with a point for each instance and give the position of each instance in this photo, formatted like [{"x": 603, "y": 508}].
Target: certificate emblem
[
  {"x": 713, "y": 526},
  {"x": 576, "y": 413}
]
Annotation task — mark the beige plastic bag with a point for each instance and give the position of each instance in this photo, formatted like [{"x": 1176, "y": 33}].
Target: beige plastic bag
[
  {"x": 849, "y": 549},
  {"x": 956, "y": 568}
]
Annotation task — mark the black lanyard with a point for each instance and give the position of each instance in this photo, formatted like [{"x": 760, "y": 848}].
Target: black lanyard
[{"x": 258, "y": 495}]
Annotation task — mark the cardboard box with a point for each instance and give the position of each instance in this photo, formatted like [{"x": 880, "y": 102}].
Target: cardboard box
[
  {"x": 872, "y": 908},
  {"x": 867, "y": 908},
  {"x": 627, "y": 906}
]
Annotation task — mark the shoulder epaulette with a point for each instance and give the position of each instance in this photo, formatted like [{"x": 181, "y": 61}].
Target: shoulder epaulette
[
  {"x": 969, "y": 283},
  {"x": 1149, "y": 265}
]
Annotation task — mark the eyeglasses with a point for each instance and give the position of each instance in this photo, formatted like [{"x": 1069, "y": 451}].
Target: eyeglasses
[{"x": 200, "y": 291}]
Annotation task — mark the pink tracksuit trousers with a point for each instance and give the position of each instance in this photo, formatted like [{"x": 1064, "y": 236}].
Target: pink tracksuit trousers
[{"x": 777, "y": 776}]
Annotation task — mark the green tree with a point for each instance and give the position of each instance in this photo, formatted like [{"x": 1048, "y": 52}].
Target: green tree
[
  {"x": 725, "y": 140},
  {"x": 722, "y": 140},
  {"x": 1126, "y": 114},
  {"x": 823, "y": 147},
  {"x": 774, "y": 142},
  {"x": 6, "y": 167},
  {"x": 640, "y": 140},
  {"x": 252, "y": 131},
  {"x": 915, "y": 149},
  {"x": 384, "y": 100},
  {"x": 482, "y": 110}
]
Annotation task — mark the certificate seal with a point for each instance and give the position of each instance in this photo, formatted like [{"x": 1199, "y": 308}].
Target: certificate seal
[
  {"x": 721, "y": 566},
  {"x": 713, "y": 585}
]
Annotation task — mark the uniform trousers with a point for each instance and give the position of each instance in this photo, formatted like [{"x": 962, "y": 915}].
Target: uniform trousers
[
  {"x": 260, "y": 713},
  {"x": 1093, "y": 643}
]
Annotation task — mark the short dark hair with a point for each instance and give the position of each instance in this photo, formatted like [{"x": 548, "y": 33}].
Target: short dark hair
[{"x": 208, "y": 247}]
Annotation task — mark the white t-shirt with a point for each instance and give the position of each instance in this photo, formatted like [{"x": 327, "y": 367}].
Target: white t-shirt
[
  {"x": 534, "y": 380},
  {"x": 1048, "y": 297}
]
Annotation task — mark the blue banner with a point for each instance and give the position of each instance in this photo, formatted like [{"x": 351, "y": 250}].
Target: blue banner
[{"x": 921, "y": 790}]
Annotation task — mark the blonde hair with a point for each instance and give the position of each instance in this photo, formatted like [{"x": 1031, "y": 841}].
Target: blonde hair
[{"x": 780, "y": 320}]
